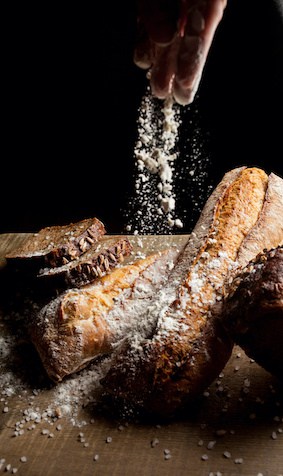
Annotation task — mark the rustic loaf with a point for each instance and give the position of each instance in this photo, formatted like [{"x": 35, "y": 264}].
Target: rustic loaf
[
  {"x": 252, "y": 310},
  {"x": 82, "y": 323},
  {"x": 56, "y": 245},
  {"x": 92, "y": 264},
  {"x": 268, "y": 231},
  {"x": 161, "y": 371}
]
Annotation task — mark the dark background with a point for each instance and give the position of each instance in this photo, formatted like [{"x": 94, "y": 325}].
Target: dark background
[{"x": 70, "y": 96}]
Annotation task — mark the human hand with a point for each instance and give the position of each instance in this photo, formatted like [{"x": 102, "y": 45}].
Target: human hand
[{"x": 174, "y": 38}]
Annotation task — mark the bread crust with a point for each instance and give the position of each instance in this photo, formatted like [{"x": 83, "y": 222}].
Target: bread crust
[
  {"x": 189, "y": 347},
  {"x": 268, "y": 230},
  {"x": 57, "y": 245},
  {"x": 170, "y": 341},
  {"x": 83, "y": 323},
  {"x": 252, "y": 311}
]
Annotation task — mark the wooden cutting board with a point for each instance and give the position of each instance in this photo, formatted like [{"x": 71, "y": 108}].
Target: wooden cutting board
[{"x": 235, "y": 428}]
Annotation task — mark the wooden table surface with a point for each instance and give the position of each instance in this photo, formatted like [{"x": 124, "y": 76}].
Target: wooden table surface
[{"x": 236, "y": 427}]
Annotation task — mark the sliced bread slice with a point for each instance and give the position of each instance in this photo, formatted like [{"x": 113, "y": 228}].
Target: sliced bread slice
[
  {"x": 56, "y": 245},
  {"x": 93, "y": 264}
]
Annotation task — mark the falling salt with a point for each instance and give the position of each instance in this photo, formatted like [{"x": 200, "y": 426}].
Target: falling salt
[{"x": 155, "y": 157}]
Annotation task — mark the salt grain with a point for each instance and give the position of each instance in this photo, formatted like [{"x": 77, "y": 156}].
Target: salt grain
[
  {"x": 154, "y": 442},
  {"x": 167, "y": 454},
  {"x": 211, "y": 445},
  {"x": 227, "y": 454}
]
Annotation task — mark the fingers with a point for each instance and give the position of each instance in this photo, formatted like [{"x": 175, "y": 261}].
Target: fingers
[
  {"x": 188, "y": 70},
  {"x": 174, "y": 40},
  {"x": 202, "y": 21},
  {"x": 163, "y": 70},
  {"x": 144, "y": 51},
  {"x": 157, "y": 42}
]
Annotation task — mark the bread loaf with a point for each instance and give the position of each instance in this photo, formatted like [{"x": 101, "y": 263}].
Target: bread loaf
[
  {"x": 161, "y": 371},
  {"x": 170, "y": 321},
  {"x": 268, "y": 230},
  {"x": 253, "y": 310},
  {"x": 56, "y": 245},
  {"x": 81, "y": 324}
]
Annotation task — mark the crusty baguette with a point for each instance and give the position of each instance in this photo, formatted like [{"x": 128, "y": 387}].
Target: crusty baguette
[
  {"x": 268, "y": 230},
  {"x": 56, "y": 245},
  {"x": 252, "y": 311},
  {"x": 162, "y": 371},
  {"x": 81, "y": 324},
  {"x": 93, "y": 264}
]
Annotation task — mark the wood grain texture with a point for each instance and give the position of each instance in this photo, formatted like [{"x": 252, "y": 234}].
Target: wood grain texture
[{"x": 245, "y": 403}]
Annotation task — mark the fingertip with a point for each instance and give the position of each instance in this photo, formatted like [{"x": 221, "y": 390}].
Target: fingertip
[
  {"x": 159, "y": 91},
  {"x": 143, "y": 51},
  {"x": 142, "y": 58},
  {"x": 183, "y": 96}
]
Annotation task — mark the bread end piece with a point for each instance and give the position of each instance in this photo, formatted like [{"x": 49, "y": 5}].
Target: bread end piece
[
  {"x": 56, "y": 245},
  {"x": 253, "y": 310},
  {"x": 81, "y": 324}
]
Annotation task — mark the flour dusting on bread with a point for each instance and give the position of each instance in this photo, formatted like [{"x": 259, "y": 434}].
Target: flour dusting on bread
[{"x": 164, "y": 369}]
